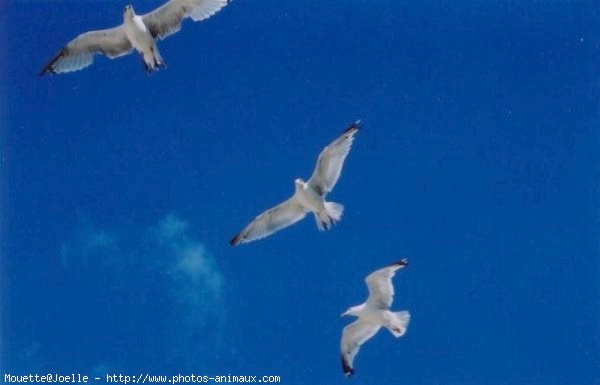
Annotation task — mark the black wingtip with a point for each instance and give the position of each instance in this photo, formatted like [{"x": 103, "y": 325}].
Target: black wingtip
[
  {"x": 348, "y": 371},
  {"x": 49, "y": 67},
  {"x": 402, "y": 262},
  {"x": 46, "y": 70},
  {"x": 357, "y": 125},
  {"x": 235, "y": 240}
]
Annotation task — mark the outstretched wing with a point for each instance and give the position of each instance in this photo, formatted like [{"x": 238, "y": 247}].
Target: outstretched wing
[
  {"x": 331, "y": 160},
  {"x": 166, "y": 19},
  {"x": 79, "y": 53},
  {"x": 353, "y": 336},
  {"x": 381, "y": 289},
  {"x": 272, "y": 220}
]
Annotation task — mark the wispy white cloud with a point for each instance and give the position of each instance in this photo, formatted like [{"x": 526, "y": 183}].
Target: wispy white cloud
[
  {"x": 160, "y": 270},
  {"x": 87, "y": 242},
  {"x": 197, "y": 284},
  {"x": 192, "y": 262}
]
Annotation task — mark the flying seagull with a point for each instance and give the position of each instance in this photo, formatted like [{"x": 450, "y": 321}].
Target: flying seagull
[
  {"x": 308, "y": 196},
  {"x": 137, "y": 32},
  {"x": 373, "y": 314}
]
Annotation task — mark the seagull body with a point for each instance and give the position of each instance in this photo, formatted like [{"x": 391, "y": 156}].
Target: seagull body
[
  {"x": 309, "y": 196},
  {"x": 373, "y": 314},
  {"x": 137, "y": 32},
  {"x": 325, "y": 212},
  {"x": 141, "y": 39}
]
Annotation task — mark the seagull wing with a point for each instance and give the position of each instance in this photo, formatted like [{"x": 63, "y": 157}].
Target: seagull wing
[
  {"x": 166, "y": 19},
  {"x": 272, "y": 220},
  {"x": 353, "y": 336},
  {"x": 79, "y": 53},
  {"x": 381, "y": 289},
  {"x": 331, "y": 160}
]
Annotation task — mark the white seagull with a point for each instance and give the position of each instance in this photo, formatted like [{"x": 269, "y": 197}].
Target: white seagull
[
  {"x": 308, "y": 196},
  {"x": 137, "y": 32},
  {"x": 373, "y": 314}
]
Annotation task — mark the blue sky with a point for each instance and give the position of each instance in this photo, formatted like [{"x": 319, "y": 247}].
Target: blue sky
[{"x": 478, "y": 162}]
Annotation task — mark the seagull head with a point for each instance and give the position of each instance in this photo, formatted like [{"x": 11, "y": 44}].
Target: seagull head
[{"x": 128, "y": 10}]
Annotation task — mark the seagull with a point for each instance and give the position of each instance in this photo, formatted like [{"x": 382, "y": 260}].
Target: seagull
[
  {"x": 373, "y": 314},
  {"x": 137, "y": 32},
  {"x": 308, "y": 196}
]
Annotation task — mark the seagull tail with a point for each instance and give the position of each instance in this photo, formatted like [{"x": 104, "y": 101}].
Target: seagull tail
[
  {"x": 332, "y": 214},
  {"x": 152, "y": 60},
  {"x": 158, "y": 60},
  {"x": 399, "y": 323}
]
